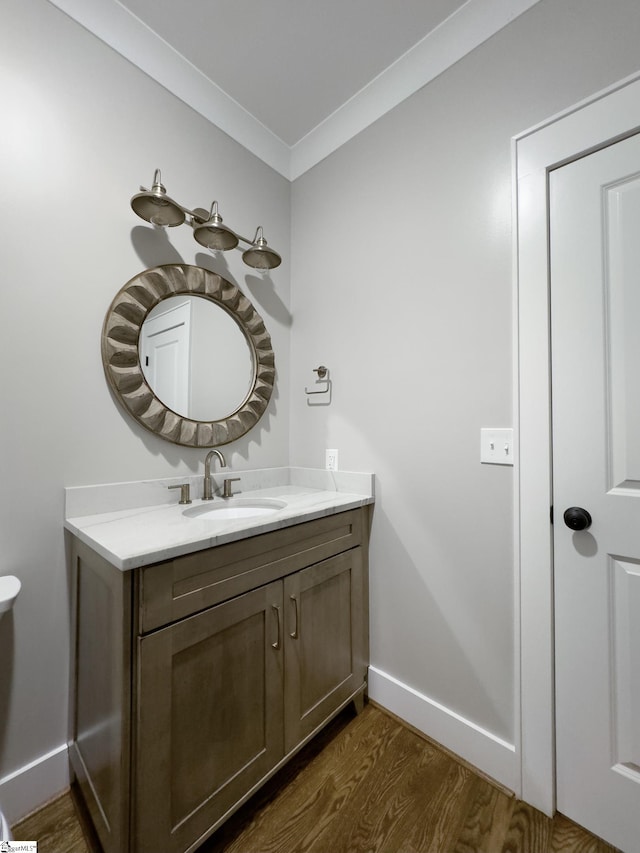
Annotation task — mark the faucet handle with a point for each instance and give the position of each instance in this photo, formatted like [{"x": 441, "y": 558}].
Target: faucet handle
[
  {"x": 185, "y": 496},
  {"x": 228, "y": 488}
]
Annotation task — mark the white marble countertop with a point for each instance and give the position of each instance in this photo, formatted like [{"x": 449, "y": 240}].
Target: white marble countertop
[{"x": 113, "y": 520}]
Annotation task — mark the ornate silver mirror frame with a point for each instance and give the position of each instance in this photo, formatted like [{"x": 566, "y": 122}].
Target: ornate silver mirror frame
[{"x": 121, "y": 332}]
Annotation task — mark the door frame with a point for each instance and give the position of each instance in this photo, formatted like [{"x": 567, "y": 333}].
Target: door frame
[{"x": 603, "y": 118}]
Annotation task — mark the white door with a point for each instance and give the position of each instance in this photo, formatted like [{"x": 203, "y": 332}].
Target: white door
[
  {"x": 595, "y": 320},
  {"x": 165, "y": 345}
]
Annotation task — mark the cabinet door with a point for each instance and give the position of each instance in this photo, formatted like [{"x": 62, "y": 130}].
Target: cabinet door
[
  {"x": 324, "y": 642},
  {"x": 209, "y": 717}
]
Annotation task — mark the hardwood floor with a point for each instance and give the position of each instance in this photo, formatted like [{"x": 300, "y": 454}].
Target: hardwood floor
[
  {"x": 367, "y": 784},
  {"x": 55, "y": 827}
]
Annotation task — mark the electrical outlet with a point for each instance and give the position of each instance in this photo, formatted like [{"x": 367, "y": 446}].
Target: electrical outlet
[{"x": 331, "y": 460}]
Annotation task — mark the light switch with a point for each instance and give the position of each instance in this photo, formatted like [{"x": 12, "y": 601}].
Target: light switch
[{"x": 496, "y": 446}]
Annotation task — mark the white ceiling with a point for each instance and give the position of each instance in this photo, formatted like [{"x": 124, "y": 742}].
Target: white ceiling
[{"x": 292, "y": 80}]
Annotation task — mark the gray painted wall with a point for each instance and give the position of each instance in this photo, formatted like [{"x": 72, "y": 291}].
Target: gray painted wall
[
  {"x": 402, "y": 286},
  {"x": 81, "y": 129}
]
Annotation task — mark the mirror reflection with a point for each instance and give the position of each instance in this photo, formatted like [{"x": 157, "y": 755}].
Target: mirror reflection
[{"x": 196, "y": 358}]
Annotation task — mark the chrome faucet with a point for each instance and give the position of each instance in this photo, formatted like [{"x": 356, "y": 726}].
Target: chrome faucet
[{"x": 207, "y": 494}]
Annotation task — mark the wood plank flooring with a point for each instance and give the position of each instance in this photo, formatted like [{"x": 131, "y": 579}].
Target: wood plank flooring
[{"x": 367, "y": 784}]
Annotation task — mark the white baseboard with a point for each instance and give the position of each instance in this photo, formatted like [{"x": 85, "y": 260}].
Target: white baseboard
[
  {"x": 27, "y": 788},
  {"x": 483, "y": 750},
  {"x": 24, "y": 790}
]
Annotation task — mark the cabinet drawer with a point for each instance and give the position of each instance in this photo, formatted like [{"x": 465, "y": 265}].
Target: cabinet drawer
[{"x": 186, "y": 585}]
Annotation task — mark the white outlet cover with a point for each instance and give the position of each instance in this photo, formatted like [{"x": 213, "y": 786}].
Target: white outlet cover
[
  {"x": 331, "y": 460},
  {"x": 496, "y": 446}
]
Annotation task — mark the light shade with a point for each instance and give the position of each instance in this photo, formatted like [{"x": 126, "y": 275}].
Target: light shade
[
  {"x": 211, "y": 232},
  {"x": 155, "y": 206},
  {"x": 259, "y": 255}
]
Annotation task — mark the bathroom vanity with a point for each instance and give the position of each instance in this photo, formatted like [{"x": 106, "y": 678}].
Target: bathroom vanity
[{"x": 197, "y": 676}]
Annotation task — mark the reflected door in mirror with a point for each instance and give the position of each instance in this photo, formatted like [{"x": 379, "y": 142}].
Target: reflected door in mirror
[
  {"x": 165, "y": 344},
  {"x": 196, "y": 358}
]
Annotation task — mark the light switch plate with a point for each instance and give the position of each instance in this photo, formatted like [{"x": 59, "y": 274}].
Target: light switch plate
[{"x": 496, "y": 446}]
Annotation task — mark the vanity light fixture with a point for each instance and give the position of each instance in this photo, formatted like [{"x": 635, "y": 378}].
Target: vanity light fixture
[{"x": 157, "y": 207}]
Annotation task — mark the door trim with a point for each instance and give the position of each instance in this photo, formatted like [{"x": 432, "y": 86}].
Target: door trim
[{"x": 606, "y": 117}]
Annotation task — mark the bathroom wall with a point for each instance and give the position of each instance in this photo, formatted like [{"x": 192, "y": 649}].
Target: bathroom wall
[
  {"x": 81, "y": 129},
  {"x": 401, "y": 270},
  {"x": 402, "y": 285}
]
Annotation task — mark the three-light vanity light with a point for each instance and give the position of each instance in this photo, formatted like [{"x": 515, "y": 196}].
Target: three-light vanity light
[{"x": 155, "y": 206}]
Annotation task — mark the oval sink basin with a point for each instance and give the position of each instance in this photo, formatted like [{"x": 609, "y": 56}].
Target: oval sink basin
[{"x": 220, "y": 509}]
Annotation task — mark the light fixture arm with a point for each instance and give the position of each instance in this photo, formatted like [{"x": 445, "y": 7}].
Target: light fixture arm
[
  {"x": 247, "y": 240},
  {"x": 195, "y": 215},
  {"x": 158, "y": 188}
]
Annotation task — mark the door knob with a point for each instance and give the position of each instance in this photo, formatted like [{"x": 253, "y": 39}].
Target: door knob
[{"x": 577, "y": 518}]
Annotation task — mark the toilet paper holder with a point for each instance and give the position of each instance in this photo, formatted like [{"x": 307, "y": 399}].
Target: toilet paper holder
[{"x": 323, "y": 379}]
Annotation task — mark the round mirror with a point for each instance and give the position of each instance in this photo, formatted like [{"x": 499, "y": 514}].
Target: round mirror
[
  {"x": 188, "y": 356},
  {"x": 196, "y": 358}
]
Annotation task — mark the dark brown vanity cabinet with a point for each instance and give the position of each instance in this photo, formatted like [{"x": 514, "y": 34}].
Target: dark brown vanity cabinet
[{"x": 209, "y": 672}]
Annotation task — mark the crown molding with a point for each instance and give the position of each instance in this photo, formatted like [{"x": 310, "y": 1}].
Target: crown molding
[
  {"x": 464, "y": 30},
  {"x": 131, "y": 38},
  {"x": 471, "y": 25}
]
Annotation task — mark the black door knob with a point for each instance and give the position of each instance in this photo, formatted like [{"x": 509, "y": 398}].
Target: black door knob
[{"x": 577, "y": 518}]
